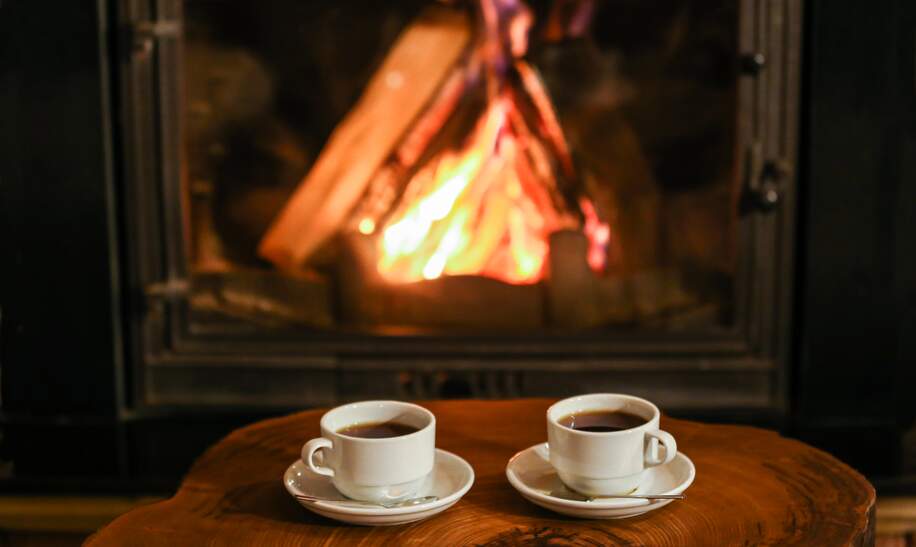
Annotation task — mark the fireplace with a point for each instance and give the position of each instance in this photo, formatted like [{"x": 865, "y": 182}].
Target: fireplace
[
  {"x": 489, "y": 198},
  {"x": 763, "y": 262}
]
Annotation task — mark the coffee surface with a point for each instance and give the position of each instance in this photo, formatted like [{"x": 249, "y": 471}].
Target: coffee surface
[
  {"x": 377, "y": 430},
  {"x": 602, "y": 421}
]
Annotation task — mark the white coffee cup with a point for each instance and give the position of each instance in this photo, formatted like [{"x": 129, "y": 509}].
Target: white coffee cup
[
  {"x": 377, "y": 470},
  {"x": 606, "y": 463}
]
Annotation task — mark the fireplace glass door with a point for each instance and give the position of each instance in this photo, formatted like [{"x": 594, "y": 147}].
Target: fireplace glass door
[
  {"x": 477, "y": 166},
  {"x": 468, "y": 177}
]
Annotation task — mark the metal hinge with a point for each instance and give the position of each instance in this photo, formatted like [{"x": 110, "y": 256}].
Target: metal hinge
[{"x": 144, "y": 34}]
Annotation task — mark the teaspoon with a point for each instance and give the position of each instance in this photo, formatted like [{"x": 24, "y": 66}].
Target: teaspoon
[
  {"x": 387, "y": 505},
  {"x": 575, "y": 496}
]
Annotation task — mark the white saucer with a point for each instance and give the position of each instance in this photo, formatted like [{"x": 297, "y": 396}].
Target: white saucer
[
  {"x": 531, "y": 474},
  {"x": 450, "y": 479}
]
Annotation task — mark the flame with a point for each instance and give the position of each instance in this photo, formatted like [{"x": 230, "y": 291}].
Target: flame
[
  {"x": 485, "y": 209},
  {"x": 598, "y": 233},
  {"x": 469, "y": 213}
]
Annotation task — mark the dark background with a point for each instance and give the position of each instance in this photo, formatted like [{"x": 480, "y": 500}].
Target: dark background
[
  {"x": 66, "y": 423},
  {"x": 856, "y": 347}
]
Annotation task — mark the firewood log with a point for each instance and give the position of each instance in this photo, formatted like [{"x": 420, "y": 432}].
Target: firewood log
[
  {"x": 407, "y": 79},
  {"x": 463, "y": 302}
]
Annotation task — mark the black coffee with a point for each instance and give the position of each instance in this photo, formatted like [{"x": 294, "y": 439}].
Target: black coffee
[
  {"x": 377, "y": 430},
  {"x": 601, "y": 421}
]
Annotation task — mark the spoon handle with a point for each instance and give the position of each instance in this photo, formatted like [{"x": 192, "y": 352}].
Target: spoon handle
[
  {"x": 345, "y": 502},
  {"x": 643, "y": 497},
  {"x": 404, "y": 503}
]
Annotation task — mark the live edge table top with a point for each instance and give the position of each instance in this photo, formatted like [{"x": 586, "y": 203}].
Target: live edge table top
[{"x": 752, "y": 487}]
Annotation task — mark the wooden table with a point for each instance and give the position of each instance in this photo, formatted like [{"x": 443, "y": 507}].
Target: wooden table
[{"x": 752, "y": 487}]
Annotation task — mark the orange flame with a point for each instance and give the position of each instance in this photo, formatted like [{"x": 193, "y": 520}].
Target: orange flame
[
  {"x": 489, "y": 207},
  {"x": 468, "y": 213},
  {"x": 598, "y": 233},
  {"x": 475, "y": 211}
]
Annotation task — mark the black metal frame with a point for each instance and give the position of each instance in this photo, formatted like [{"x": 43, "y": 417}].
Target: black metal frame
[
  {"x": 680, "y": 370},
  {"x": 61, "y": 322},
  {"x": 60, "y": 319}
]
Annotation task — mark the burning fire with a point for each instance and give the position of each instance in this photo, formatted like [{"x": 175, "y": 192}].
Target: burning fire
[
  {"x": 488, "y": 207},
  {"x": 470, "y": 212},
  {"x": 482, "y": 205}
]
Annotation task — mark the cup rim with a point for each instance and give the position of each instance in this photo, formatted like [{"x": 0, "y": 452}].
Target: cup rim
[
  {"x": 327, "y": 431},
  {"x": 656, "y": 413}
]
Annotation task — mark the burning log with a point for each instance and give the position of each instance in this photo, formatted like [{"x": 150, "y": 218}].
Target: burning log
[
  {"x": 389, "y": 182},
  {"x": 451, "y": 301},
  {"x": 409, "y": 76},
  {"x": 537, "y": 174},
  {"x": 548, "y": 118}
]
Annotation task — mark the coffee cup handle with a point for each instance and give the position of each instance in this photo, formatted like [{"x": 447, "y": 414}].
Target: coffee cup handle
[
  {"x": 666, "y": 440},
  {"x": 309, "y": 450}
]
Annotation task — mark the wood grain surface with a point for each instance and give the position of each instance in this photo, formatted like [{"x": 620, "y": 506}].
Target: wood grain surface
[{"x": 752, "y": 487}]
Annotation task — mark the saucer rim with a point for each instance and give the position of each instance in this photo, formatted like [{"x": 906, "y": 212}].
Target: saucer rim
[
  {"x": 392, "y": 511},
  {"x": 611, "y": 503}
]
